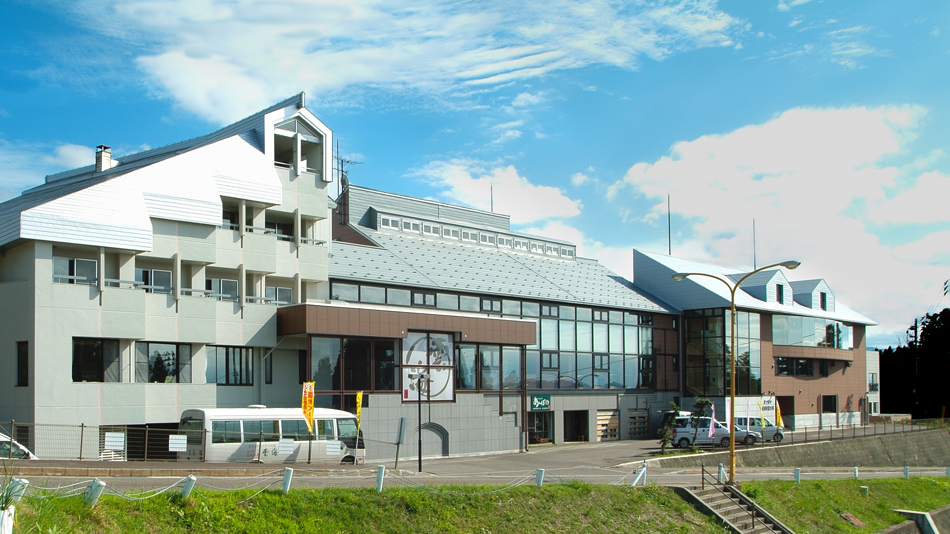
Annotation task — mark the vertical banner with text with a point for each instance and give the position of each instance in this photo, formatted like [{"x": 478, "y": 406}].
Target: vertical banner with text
[{"x": 306, "y": 404}]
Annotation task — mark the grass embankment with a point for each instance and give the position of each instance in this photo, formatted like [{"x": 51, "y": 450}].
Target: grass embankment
[
  {"x": 574, "y": 508},
  {"x": 815, "y": 506}
]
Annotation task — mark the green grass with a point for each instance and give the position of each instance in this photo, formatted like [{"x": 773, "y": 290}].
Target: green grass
[
  {"x": 815, "y": 506},
  {"x": 574, "y": 507}
]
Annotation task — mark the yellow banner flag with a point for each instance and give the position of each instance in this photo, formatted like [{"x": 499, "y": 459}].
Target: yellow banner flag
[
  {"x": 778, "y": 416},
  {"x": 306, "y": 404},
  {"x": 359, "y": 405}
]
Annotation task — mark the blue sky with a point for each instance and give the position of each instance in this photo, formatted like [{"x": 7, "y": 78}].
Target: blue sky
[{"x": 828, "y": 123}]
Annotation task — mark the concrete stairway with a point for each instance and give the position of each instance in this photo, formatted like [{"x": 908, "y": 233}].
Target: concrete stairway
[{"x": 737, "y": 511}]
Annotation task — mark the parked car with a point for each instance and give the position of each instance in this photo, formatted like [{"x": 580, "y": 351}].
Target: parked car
[
  {"x": 767, "y": 428},
  {"x": 685, "y": 430},
  {"x": 11, "y": 449}
]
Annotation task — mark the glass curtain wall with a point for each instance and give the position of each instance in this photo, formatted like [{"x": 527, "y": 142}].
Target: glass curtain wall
[{"x": 708, "y": 336}]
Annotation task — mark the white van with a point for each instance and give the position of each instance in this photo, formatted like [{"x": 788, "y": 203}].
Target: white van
[
  {"x": 767, "y": 428},
  {"x": 11, "y": 449},
  {"x": 684, "y": 431}
]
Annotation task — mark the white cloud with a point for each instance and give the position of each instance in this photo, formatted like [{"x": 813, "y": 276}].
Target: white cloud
[
  {"x": 579, "y": 178},
  {"x": 24, "y": 165},
  {"x": 475, "y": 183},
  {"x": 527, "y": 99},
  {"x": 795, "y": 22},
  {"x": 70, "y": 156},
  {"x": 783, "y": 6},
  {"x": 797, "y": 175},
  {"x": 226, "y": 60}
]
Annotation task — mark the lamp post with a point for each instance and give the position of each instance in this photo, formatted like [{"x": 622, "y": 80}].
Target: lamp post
[
  {"x": 732, "y": 350},
  {"x": 419, "y": 377}
]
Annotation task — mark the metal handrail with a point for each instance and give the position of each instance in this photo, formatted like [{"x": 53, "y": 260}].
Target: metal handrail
[
  {"x": 756, "y": 508},
  {"x": 58, "y": 277},
  {"x": 118, "y": 283},
  {"x": 312, "y": 241}
]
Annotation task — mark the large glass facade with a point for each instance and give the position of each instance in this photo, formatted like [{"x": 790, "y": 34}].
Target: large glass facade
[
  {"x": 708, "y": 335},
  {"x": 576, "y": 347},
  {"x": 797, "y": 331}
]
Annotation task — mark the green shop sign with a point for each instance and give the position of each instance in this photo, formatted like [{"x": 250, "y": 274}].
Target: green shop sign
[{"x": 540, "y": 403}]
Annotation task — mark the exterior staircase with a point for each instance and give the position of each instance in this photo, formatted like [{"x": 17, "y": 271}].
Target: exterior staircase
[{"x": 737, "y": 511}]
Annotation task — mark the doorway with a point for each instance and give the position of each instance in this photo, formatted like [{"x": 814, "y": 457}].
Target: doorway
[
  {"x": 787, "y": 407},
  {"x": 540, "y": 427},
  {"x": 575, "y": 425}
]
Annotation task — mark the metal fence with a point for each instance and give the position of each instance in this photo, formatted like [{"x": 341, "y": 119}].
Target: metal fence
[
  {"x": 160, "y": 442},
  {"x": 164, "y": 442},
  {"x": 839, "y": 432}
]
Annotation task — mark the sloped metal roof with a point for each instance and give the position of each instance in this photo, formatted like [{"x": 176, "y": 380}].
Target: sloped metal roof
[
  {"x": 183, "y": 182},
  {"x": 434, "y": 263},
  {"x": 653, "y": 272}
]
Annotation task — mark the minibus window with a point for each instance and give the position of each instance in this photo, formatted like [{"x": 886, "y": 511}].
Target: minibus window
[
  {"x": 225, "y": 432},
  {"x": 254, "y": 430}
]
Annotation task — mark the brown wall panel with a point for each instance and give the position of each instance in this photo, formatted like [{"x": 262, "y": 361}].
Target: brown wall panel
[{"x": 339, "y": 320}]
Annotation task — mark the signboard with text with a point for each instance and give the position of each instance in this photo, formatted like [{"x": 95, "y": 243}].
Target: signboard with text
[{"x": 540, "y": 403}]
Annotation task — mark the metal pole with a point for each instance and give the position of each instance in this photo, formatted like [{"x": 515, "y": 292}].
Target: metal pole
[
  {"x": 146, "y": 444},
  {"x": 419, "y": 393},
  {"x": 12, "y": 434},
  {"x": 82, "y": 437},
  {"x": 732, "y": 391}
]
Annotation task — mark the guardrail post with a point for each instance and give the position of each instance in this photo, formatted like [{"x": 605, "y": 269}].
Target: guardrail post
[
  {"x": 189, "y": 485},
  {"x": 380, "y": 476},
  {"x": 702, "y": 473},
  {"x": 907, "y": 472},
  {"x": 855, "y": 472},
  {"x": 94, "y": 491},
  {"x": 539, "y": 477},
  {"x": 82, "y": 437},
  {"x": 289, "y": 475},
  {"x": 798, "y": 475},
  {"x": 864, "y": 490},
  {"x": 642, "y": 474}
]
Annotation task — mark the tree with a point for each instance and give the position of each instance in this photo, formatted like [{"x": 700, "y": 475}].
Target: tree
[
  {"x": 699, "y": 411},
  {"x": 666, "y": 433},
  {"x": 913, "y": 375}
]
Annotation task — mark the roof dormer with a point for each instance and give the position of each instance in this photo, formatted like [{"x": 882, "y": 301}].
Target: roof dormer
[
  {"x": 814, "y": 294},
  {"x": 768, "y": 286}
]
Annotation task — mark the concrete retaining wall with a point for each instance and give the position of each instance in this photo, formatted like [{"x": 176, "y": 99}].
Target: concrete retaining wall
[{"x": 929, "y": 448}]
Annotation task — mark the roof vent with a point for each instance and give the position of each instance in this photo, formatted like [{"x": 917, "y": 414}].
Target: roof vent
[{"x": 103, "y": 158}]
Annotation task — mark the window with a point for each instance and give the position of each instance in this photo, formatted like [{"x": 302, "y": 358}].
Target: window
[
  {"x": 279, "y": 295},
  {"x": 398, "y": 297},
  {"x": 824, "y": 367},
  {"x": 232, "y": 366},
  {"x": 95, "y": 360},
  {"x": 823, "y": 298},
  {"x": 75, "y": 271},
  {"x": 406, "y": 225},
  {"x": 229, "y": 220},
  {"x": 348, "y": 292},
  {"x": 284, "y": 231},
  {"x": 423, "y": 298},
  {"x": 780, "y": 293},
  {"x": 154, "y": 280},
  {"x": 468, "y": 303},
  {"x": 23, "y": 363},
  {"x": 373, "y": 294},
  {"x": 491, "y": 305},
  {"x": 794, "y": 367},
  {"x": 162, "y": 363},
  {"x": 222, "y": 288},
  {"x": 829, "y": 403},
  {"x": 446, "y": 301}
]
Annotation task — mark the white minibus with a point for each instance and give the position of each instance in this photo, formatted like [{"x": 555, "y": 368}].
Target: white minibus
[{"x": 270, "y": 435}]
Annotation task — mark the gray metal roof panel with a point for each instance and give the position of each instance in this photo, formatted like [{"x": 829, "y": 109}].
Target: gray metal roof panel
[{"x": 469, "y": 268}]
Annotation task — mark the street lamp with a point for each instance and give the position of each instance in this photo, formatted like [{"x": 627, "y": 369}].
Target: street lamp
[
  {"x": 732, "y": 350},
  {"x": 419, "y": 377}
]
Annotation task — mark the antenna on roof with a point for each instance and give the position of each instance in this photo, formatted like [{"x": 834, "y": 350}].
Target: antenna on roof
[{"x": 341, "y": 171}]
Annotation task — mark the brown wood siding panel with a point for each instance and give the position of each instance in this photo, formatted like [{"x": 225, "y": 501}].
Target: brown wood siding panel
[{"x": 334, "y": 320}]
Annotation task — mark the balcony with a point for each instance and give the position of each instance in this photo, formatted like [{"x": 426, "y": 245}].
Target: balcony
[{"x": 874, "y": 387}]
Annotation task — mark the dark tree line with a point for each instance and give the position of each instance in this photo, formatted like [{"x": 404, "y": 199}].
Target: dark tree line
[{"x": 914, "y": 377}]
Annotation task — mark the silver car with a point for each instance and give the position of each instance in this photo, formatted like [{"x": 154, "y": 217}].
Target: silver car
[
  {"x": 769, "y": 431},
  {"x": 684, "y": 432}
]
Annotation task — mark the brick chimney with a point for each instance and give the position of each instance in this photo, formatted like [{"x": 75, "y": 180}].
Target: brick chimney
[{"x": 103, "y": 158}]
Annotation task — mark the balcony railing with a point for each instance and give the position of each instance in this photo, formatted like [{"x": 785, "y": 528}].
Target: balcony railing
[{"x": 874, "y": 386}]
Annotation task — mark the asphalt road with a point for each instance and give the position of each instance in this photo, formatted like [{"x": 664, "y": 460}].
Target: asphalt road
[{"x": 598, "y": 463}]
